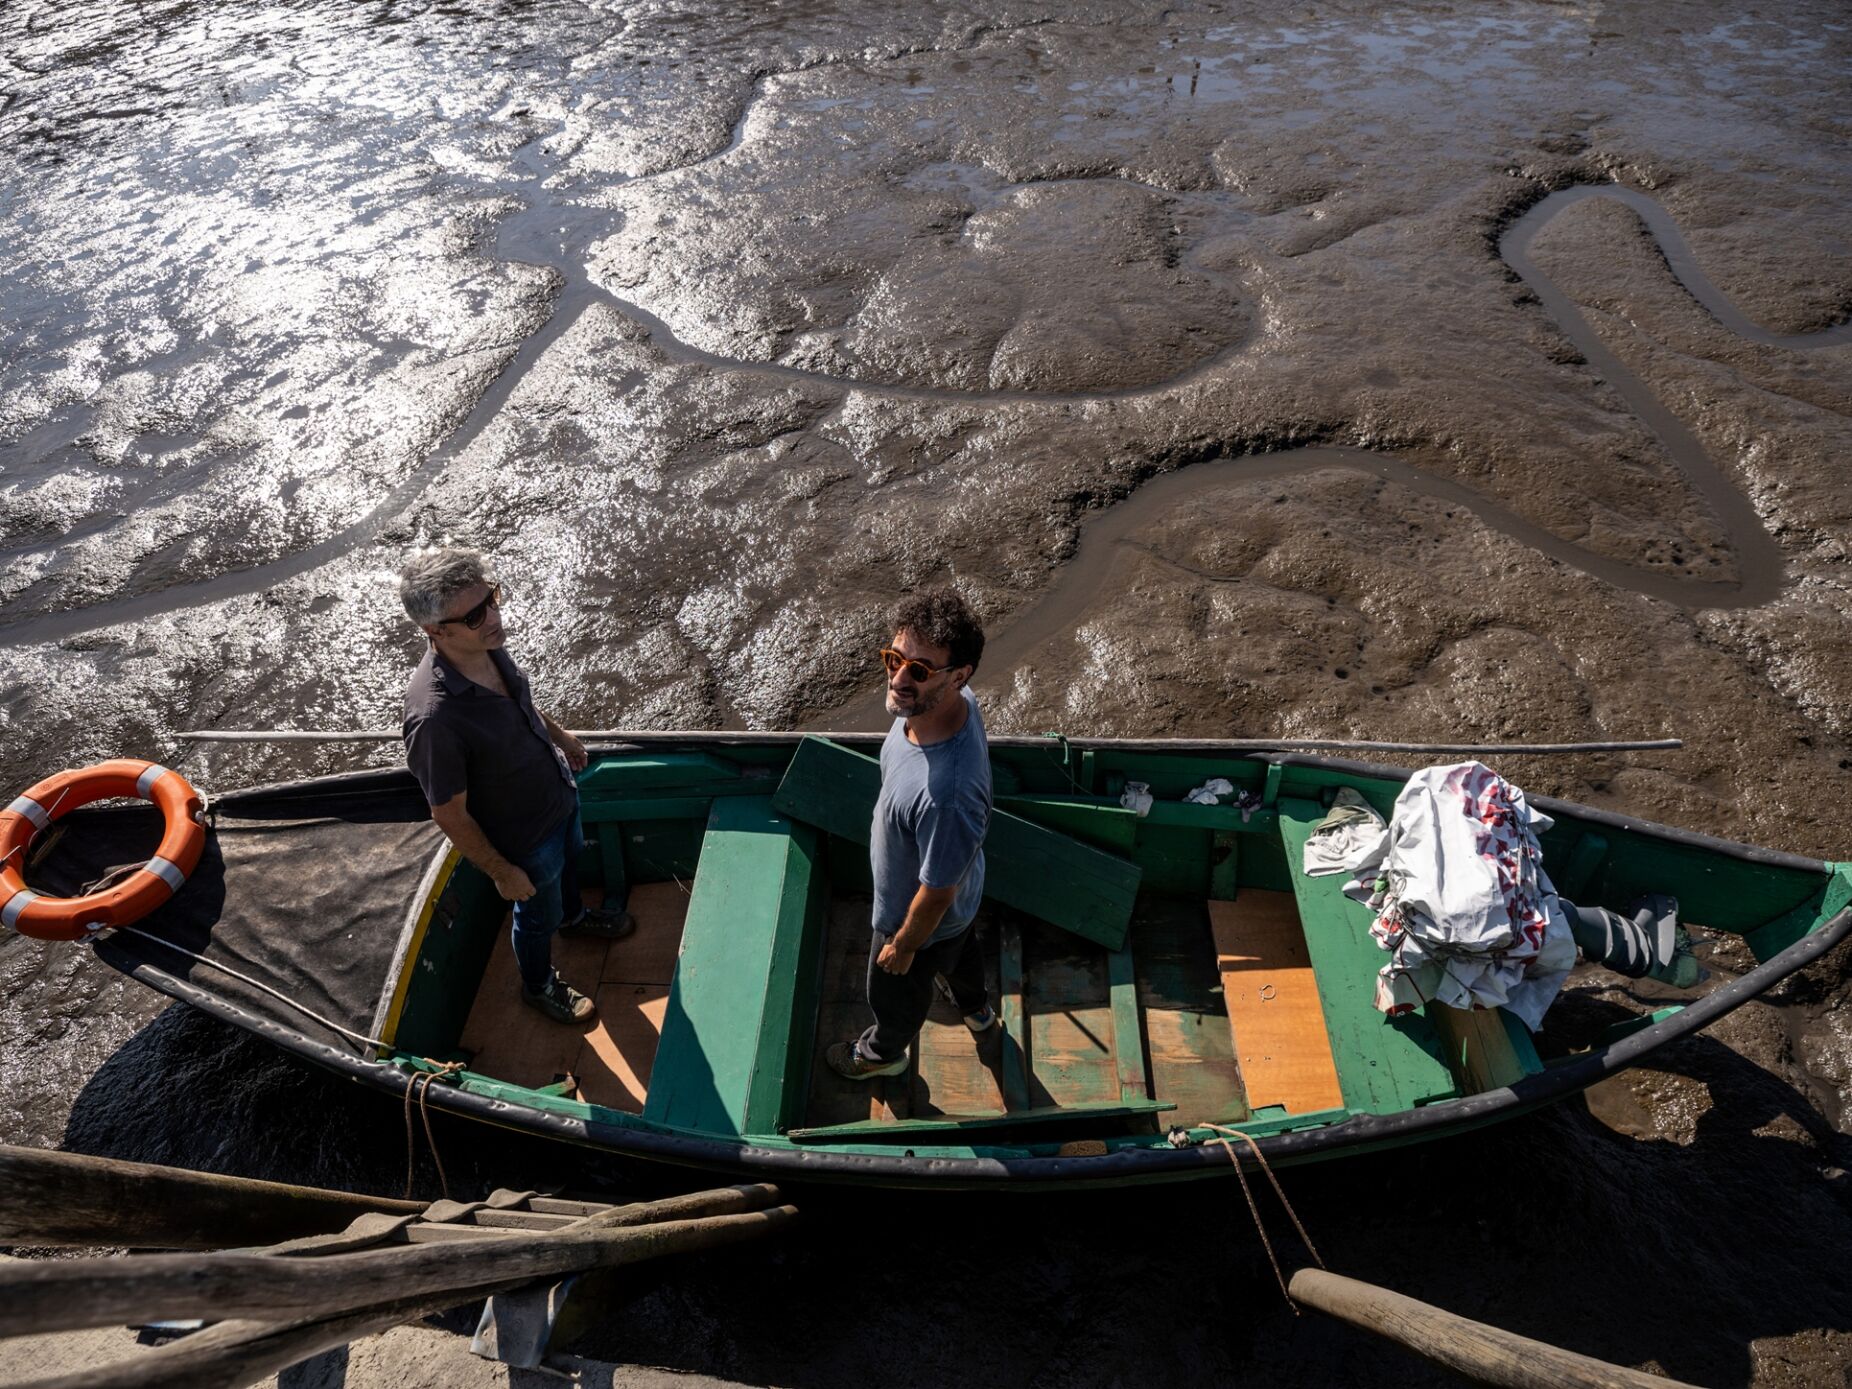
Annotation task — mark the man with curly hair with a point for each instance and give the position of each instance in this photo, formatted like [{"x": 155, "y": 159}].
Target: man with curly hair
[{"x": 927, "y": 844}]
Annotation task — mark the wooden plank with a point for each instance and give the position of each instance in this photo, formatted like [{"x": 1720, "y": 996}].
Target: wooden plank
[
  {"x": 624, "y": 776},
  {"x": 1585, "y": 859},
  {"x": 1015, "y": 1062},
  {"x": 1193, "y": 1064},
  {"x": 1128, "y": 1033},
  {"x": 1274, "y": 1012},
  {"x": 1029, "y": 867},
  {"x": 1385, "y": 1065},
  {"x": 1224, "y": 866},
  {"x": 720, "y": 1067},
  {"x": 982, "y": 1123}
]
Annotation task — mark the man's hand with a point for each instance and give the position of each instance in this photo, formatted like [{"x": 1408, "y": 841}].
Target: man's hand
[
  {"x": 514, "y": 884},
  {"x": 576, "y": 756},
  {"x": 893, "y": 959}
]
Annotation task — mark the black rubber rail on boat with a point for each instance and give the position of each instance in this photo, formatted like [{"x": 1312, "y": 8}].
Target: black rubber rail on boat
[{"x": 644, "y": 736}]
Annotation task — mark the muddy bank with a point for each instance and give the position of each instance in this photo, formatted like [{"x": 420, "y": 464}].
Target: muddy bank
[{"x": 1185, "y": 340}]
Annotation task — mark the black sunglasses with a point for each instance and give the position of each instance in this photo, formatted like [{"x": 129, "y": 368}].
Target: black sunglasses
[{"x": 473, "y": 618}]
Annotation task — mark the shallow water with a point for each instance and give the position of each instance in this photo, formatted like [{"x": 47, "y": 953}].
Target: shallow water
[{"x": 1459, "y": 371}]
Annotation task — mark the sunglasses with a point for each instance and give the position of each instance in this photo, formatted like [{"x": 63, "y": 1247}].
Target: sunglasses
[
  {"x": 473, "y": 618},
  {"x": 918, "y": 671}
]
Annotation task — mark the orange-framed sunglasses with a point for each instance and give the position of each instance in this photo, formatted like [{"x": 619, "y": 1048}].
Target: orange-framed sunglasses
[{"x": 916, "y": 669}]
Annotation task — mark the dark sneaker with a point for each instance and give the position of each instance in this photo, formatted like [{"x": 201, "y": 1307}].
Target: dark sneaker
[
  {"x": 845, "y": 1058},
  {"x": 601, "y": 924},
  {"x": 560, "y": 1001},
  {"x": 983, "y": 1020}
]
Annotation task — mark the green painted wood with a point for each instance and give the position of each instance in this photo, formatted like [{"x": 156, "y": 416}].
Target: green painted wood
[
  {"x": 1224, "y": 866},
  {"x": 1522, "y": 1043},
  {"x": 1385, "y": 1064},
  {"x": 627, "y": 775},
  {"x": 610, "y": 837},
  {"x": 900, "y": 1130},
  {"x": 1270, "y": 788},
  {"x": 1069, "y": 812},
  {"x": 1034, "y": 869},
  {"x": 1015, "y": 1065},
  {"x": 1128, "y": 1033},
  {"x": 1835, "y": 895},
  {"x": 1102, "y": 823},
  {"x": 1590, "y": 851},
  {"x": 722, "y": 1064}
]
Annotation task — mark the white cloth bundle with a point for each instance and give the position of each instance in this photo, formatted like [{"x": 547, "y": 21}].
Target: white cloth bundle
[{"x": 1463, "y": 904}]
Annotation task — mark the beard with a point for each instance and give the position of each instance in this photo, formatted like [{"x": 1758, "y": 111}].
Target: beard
[{"x": 922, "y": 702}]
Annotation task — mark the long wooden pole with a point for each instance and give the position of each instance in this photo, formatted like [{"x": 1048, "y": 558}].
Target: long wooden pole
[
  {"x": 49, "y": 1198},
  {"x": 71, "y": 1294},
  {"x": 1480, "y": 1352},
  {"x": 748, "y": 737}
]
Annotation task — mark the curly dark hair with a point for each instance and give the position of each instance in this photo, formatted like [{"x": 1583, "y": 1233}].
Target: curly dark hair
[{"x": 941, "y": 617}]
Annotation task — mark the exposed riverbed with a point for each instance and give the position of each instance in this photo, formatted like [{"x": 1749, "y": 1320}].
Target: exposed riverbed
[{"x": 1444, "y": 371}]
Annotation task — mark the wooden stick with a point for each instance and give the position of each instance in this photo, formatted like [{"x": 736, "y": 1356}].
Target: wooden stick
[
  {"x": 1480, "y": 1352},
  {"x": 49, "y": 1198},
  {"x": 745, "y": 738},
  {"x": 235, "y": 1353},
  {"x": 70, "y": 1294}
]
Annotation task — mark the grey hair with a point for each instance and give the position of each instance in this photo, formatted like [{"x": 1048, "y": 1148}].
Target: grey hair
[{"x": 431, "y": 578}]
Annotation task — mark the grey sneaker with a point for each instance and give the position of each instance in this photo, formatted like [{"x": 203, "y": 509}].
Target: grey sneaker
[
  {"x": 601, "y": 924},
  {"x": 845, "y": 1058},
  {"x": 560, "y": 1001}
]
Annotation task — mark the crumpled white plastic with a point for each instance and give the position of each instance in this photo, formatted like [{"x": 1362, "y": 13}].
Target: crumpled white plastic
[
  {"x": 1349, "y": 829},
  {"x": 1137, "y": 798},
  {"x": 1211, "y": 791},
  {"x": 1463, "y": 904}
]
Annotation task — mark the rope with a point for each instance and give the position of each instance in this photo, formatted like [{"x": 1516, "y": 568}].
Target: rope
[
  {"x": 302, "y": 1008},
  {"x": 1254, "y": 1210},
  {"x": 445, "y": 1069}
]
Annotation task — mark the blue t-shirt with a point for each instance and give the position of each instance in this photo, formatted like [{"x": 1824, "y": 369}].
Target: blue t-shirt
[{"x": 929, "y": 824}]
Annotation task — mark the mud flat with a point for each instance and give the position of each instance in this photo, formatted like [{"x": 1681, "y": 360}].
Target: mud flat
[{"x": 1411, "y": 373}]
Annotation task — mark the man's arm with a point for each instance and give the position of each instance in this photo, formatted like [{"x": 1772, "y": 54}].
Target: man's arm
[
  {"x": 924, "y": 913},
  {"x": 576, "y": 756},
  {"x": 454, "y": 819}
]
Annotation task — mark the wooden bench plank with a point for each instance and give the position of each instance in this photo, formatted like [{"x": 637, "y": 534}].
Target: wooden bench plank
[
  {"x": 1027, "y": 866},
  {"x": 910, "y": 1129},
  {"x": 1128, "y": 1033},
  {"x": 1385, "y": 1064},
  {"x": 1274, "y": 1011},
  {"x": 727, "y": 1038},
  {"x": 1015, "y": 1063}
]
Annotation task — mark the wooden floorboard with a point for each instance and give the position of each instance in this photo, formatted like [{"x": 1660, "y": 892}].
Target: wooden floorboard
[
  {"x": 1185, "y": 1021},
  {"x": 610, "y": 1057},
  {"x": 1274, "y": 1012}
]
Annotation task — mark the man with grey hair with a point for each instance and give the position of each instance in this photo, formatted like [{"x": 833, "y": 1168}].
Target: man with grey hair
[{"x": 497, "y": 771}]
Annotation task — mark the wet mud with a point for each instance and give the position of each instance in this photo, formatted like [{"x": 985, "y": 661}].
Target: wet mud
[{"x": 1457, "y": 370}]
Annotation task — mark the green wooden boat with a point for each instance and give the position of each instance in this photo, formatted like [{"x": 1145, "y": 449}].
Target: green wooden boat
[{"x": 1163, "y": 977}]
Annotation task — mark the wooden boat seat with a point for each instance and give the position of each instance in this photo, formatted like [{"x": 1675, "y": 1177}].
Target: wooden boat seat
[
  {"x": 1036, "y": 870},
  {"x": 732, "y": 1033},
  {"x": 1384, "y": 1064}
]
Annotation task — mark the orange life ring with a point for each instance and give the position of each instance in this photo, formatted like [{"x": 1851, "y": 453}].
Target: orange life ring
[{"x": 74, "y": 918}]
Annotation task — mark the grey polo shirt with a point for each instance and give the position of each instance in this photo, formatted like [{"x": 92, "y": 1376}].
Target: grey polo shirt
[{"x": 461, "y": 737}]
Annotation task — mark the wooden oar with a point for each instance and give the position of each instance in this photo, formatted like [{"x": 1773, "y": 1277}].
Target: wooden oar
[
  {"x": 49, "y": 1198},
  {"x": 749, "y": 737},
  {"x": 1480, "y": 1352}
]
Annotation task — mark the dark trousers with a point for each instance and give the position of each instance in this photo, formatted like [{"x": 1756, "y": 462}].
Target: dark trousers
[{"x": 902, "y": 1001}]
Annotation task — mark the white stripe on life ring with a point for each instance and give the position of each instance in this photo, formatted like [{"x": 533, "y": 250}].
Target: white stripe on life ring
[
  {"x": 17, "y": 903},
  {"x": 33, "y": 811},
  {"x": 168, "y": 873},
  {"x": 146, "y": 780}
]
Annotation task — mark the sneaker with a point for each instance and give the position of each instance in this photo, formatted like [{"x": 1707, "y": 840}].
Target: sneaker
[
  {"x": 560, "y": 1001},
  {"x": 601, "y": 924},
  {"x": 983, "y": 1020},
  {"x": 979, "y": 1022},
  {"x": 845, "y": 1058}
]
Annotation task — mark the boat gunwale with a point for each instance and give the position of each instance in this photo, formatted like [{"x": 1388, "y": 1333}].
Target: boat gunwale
[{"x": 398, "y": 779}]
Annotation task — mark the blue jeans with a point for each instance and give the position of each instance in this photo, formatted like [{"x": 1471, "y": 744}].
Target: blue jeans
[{"x": 553, "y": 868}]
